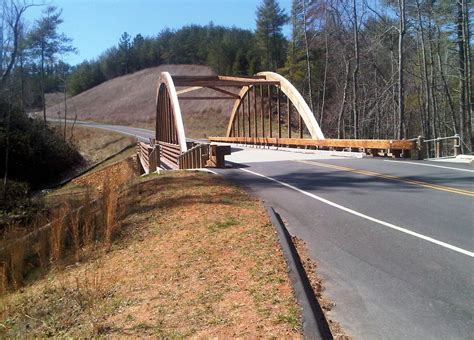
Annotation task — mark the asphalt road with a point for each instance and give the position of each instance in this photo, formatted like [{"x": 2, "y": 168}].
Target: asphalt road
[{"x": 393, "y": 239}]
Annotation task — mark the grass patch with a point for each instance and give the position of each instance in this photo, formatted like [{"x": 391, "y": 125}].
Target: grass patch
[
  {"x": 184, "y": 263},
  {"x": 230, "y": 222}
]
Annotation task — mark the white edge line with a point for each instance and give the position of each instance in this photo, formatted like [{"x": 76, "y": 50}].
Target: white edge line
[
  {"x": 432, "y": 165},
  {"x": 392, "y": 226}
]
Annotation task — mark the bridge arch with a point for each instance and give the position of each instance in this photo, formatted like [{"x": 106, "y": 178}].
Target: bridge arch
[
  {"x": 169, "y": 126},
  {"x": 293, "y": 96},
  {"x": 260, "y": 103}
]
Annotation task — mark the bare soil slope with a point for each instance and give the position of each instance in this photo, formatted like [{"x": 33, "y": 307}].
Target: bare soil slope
[{"x": 130, "y": 100}]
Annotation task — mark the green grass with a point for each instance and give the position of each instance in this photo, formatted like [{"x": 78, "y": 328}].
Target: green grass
[{"x": 227, "y": 223}]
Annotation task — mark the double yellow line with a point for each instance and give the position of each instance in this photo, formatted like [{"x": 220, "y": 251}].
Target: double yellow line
[{"x": 393, "y": 178}]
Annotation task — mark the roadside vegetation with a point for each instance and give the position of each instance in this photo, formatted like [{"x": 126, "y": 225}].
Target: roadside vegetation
[
  {"x": 95, "y": 145},
  {"x": 380, "y": 69},
  {"x": 33, "y": 156},
  {"x": 171, "y": 255},
  {"x": 386, "y": 69}
]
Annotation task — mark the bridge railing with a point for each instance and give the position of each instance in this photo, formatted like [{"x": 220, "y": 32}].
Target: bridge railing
[
  {"x": 169, "y": 153},
  {"x": 195, "y": 158},
  {"x": 147, "y": 156},
  {"x": 443, "y": 146},
  {"x": 204, "y": 156}
]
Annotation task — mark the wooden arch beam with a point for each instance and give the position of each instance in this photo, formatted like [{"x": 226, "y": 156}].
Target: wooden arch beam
[
  {"x": 293, "y": 95},
  {"x": 166, "y": 81}
]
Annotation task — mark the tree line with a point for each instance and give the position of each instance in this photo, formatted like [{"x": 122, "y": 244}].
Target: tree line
[
  {"x": 32, "y": 153},
  {"x": 368, "y": 69},
  {"x": 384, "y": 69},
  {"x": 226, "y": 50},
  {"x": 379, "y": 69}
]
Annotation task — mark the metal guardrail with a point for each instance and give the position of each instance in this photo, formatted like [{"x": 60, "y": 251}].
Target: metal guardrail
[{"x": 440, "y": 147}]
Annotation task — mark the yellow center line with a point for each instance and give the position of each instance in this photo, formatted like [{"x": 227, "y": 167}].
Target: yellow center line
[{"x": 393, "y": 178}]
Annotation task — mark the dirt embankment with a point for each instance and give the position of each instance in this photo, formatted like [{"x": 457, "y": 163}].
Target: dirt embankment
[
  {"x": 192, "y": 255},
  {"x": 130, "y": 100}
]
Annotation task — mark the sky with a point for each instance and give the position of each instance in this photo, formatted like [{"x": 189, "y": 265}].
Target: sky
[{"x": 95, "y": 25}]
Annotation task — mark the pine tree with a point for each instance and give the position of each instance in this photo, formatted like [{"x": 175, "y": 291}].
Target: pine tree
[
  {"x": 46, "y": 43},
  {"x": 269, "y": 36},
  {"x": 125, "y": 49},
  {"x": 295, "y": 65}
]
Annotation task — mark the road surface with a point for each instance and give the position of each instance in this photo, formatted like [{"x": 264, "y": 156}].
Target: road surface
[{"x": 393, "y": 239}]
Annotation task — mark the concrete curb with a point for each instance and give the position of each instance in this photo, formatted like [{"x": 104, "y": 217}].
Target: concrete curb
[
  {"x": 315, "y": 325},
  {"x": 348, "y": 154}
]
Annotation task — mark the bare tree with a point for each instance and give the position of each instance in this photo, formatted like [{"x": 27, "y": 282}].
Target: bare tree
[
  {"x": 401, "y": 60},
  {"x": 308, "y": 61},
  {"x": 355, "y": 72},
  {"x": 12, "y": 12},
  {"x": 326, "y": 60}
]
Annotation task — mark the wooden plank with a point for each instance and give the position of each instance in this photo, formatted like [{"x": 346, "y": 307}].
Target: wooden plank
[
  {"x": 300, "y": 125},
  {"x": 225, "y": 83},
  {"x": 255, "y": 111},
  {"x": 206, "y": 98},
  {"x": 243, "y": 117},
  {"x": 189, "y": 89},
  {"x": 288, "y": 120},
  {"x": 214, "y": 77},
  {"x": 279, "y": 111},
  {"x": 239, "y": 109},
  {"x": 248, "y": 108},
  {"x": 269, "y": 92},
  {"x": 334, "y": 143}
]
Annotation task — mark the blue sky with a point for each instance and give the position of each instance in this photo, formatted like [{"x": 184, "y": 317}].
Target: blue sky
[{"x": 95, "y": 25}]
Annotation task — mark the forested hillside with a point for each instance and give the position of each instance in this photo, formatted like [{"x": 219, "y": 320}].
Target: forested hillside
[
  {"x": 130, "y": 100},
  {"x": 384, "y": 69},
  {"x": 377, "y": 69}
]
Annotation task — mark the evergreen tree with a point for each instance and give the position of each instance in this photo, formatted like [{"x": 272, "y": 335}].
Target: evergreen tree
[
  {"x": 269, "y": 36},
  {"x": 124, "y": 52},
  {"x": 46, "y": 43},
  {"x": 295, "y": 65}
]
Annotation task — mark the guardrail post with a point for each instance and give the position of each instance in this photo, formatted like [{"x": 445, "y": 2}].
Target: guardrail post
[
  {"x": 457, "y": 145},
  {"x": 151, "y": 160},
  {"x": 438, "y": 148}
]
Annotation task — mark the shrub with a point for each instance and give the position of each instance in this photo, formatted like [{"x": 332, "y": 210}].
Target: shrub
[{"x": 37, "y": 154}]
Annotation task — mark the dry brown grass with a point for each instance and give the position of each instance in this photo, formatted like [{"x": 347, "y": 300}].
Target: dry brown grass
[
  {"x": 74, "y": 226},
  {"x": 95, "y": 145},
  {"x": 57, "y": 232},
  {"x": 193, "y": 257},
  {"x": 130, "y": 100},
  {"x": 110, "y": 201},
  {"x": 3, "y": 278}
]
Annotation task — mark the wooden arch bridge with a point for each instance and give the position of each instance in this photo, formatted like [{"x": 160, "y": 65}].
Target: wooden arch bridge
[{"x": 267, "y": 110}]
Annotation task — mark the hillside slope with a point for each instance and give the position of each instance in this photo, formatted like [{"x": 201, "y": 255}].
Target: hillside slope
[{"x": 130, "y": 100}]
